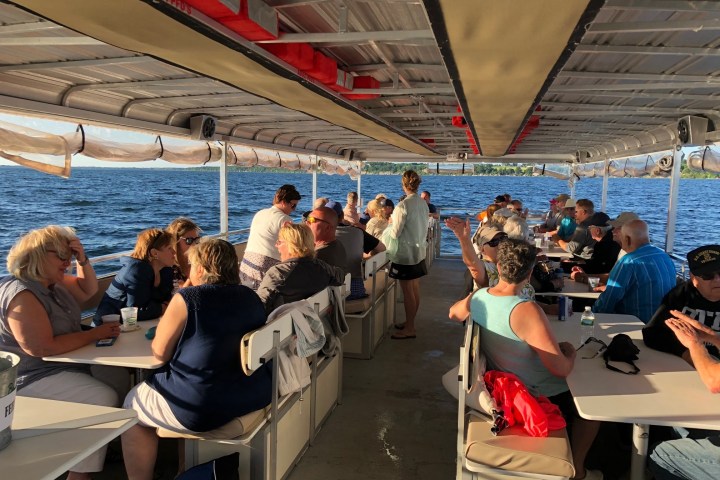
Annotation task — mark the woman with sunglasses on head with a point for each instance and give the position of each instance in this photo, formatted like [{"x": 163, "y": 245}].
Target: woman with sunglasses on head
[
  {"x": 40, "y": 316},
  {"x": 145, "y": 280},
  {"x": 261, "y": 252},
  {"x": 185, "y": 233},
  {"x": 521, "y": 342}
]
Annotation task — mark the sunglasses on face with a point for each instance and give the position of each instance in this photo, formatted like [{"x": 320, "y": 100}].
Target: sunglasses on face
[
  {"x": 311, "y": 219},
  {"x": 293, "y": 206},
  {"x": 189, "y": 240},
  {"x": 62, "y": 258},
  {"x": 709, "y": 276},
  {"x": 495, "y": 242}
]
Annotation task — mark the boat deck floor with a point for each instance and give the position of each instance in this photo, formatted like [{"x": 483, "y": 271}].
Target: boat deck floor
[{"x": 396, "y": 420}]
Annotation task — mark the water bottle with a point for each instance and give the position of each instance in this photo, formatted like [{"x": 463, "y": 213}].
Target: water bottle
[{"x": 587, "y": 325}]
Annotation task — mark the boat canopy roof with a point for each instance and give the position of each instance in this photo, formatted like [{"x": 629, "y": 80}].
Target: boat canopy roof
[{"x": 557, "y": 81}]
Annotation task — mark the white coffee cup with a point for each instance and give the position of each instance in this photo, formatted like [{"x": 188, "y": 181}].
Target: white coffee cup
[{"x": 129, "y": 316}]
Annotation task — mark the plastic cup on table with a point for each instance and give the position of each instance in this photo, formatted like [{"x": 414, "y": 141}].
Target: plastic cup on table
[
  {"x": 129, "y": 317},
  {"x": 593, "y": 282},
  {"x": 538, "y": 242}
]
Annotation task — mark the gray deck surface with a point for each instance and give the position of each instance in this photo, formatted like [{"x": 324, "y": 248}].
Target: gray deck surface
[{"x": 396, "y": 420}]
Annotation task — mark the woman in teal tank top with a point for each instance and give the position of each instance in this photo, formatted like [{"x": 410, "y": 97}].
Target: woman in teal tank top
[{"x": 516, "y": 338}]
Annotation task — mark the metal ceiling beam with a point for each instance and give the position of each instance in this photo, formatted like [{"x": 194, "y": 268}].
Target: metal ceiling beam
[
  {"x": 664, "y": 5},
  {"x": 405, "y": 91},
  {"x": 413, "y": 108},
  {"x": 581, "y": 123},
  {"x": 217, "y": 96},
  {"x": 647, "y": 50},
  {"x": 650, "y": 77},
  {"x": 353, "y": 37},
  {"x": 49, "y": 42},
  {"x": 218, "y": 112},
  {"x": 628, "y": 112},
  {"x": 679, "y": 111},
  {"x": 28, "y": 27},
  {"x": 635, "y": 95},
  {"x": 189, "y": 83},
  {"x": 400, "y": 66},
  {"x": 640, "y": 86},
  {"x": 652, "y": 27},
  {"x": 419, "y": 115},
  {"x": 77, "y": 63}
]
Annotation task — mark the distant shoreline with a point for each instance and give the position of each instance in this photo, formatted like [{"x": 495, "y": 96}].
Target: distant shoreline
[{"x": 686, "y": 174}]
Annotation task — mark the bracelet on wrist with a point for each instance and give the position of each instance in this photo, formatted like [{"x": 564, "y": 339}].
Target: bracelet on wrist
[{"x": 84, "y": 262}]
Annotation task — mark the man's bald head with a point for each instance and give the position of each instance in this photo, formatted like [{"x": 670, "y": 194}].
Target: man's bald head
[
  {"x": 635, "y": 234},
  {"x": 327, "y": 214}
]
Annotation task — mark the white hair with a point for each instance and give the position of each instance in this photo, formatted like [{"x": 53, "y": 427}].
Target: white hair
[{"x": 516, "y": 227}]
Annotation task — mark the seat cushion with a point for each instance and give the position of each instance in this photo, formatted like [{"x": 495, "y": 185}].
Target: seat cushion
[
  {"x": 513, "y": 450},
  {"x": 233, "y": 429},
  {"x": 357, "y": 306}
]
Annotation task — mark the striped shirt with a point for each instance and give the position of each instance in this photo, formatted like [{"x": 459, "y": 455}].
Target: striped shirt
[{"x": 637, "y": 283}]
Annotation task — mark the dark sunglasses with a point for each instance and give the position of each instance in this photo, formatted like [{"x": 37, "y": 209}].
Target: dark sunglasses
[
  {"x": 708, "y": 276},
  {"x": 189, "y": 240},
  {"x": 495, "y": 241},
  {"x": 603, "y": 346},
  {"x": 311, "y": 219},
  {"x": 294, "y": 205}
]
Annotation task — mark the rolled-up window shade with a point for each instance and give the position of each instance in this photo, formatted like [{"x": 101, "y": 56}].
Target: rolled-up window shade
[{"x": 706, "y": 159}]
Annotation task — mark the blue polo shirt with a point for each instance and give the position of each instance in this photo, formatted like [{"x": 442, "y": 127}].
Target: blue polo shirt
[{"x": 637, "y": 283}]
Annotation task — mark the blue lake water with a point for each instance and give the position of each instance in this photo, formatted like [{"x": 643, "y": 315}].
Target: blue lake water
[{"x": 109, "y": 206}]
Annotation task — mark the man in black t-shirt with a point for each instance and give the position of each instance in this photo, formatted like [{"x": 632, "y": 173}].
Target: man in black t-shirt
[{"x": 698, "y": 298}]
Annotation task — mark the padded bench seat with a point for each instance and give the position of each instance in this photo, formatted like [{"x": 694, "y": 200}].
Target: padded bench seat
[
  {"x": 515, "y": 451},
  {"x": 235, "y": 429}
]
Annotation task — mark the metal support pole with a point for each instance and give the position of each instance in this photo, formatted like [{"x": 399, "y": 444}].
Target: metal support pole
[
  {"x": 314, "y": 181},
  {"x": 603, "y": 202},
  {"x": 673, "y": 201},
  {"x": 571, "y": 181},
  {"x": 223, "y": 192},
  {"x": 359, "y": 191}
]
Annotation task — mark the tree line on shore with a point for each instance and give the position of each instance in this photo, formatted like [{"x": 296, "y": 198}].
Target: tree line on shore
[{"x": 488, "y": 169}]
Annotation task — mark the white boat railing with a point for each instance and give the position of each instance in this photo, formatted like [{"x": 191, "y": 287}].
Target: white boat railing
[{"x": 116, "y": 256}]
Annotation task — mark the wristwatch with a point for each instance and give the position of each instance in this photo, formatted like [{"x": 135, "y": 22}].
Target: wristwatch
[{"x": 84, "y": 262}]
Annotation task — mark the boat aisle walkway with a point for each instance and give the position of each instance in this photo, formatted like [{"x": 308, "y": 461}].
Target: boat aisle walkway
[{"x": 396, "y": 420}]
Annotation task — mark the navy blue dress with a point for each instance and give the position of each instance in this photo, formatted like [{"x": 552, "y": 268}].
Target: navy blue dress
[{"x": 204, "y": 383}]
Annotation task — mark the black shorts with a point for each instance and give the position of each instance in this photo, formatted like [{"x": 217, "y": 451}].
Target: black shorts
[
  {"x": 408, "y": 272},
  {"x": 566, "y": 403}
]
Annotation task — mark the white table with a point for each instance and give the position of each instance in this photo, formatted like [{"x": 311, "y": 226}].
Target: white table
[
  {"x": 667, "y": 391},
  {"x": 553, "y": 251},
  {"x": 572, "y": 288},
  {"x": 131, "y": 349},
  {"x": 50, "y": 436}
]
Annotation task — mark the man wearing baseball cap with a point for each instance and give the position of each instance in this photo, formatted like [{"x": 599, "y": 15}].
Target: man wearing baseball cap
[
  {"x": 698, "y": 298},
  {"x": 695, "y": 453}
]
